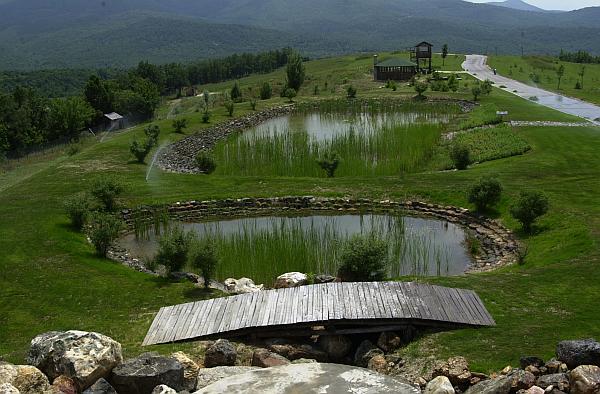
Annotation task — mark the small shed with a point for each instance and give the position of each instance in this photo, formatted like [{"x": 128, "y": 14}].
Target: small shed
[
  {"x": 422, "y": 54},
  {"x": 113, "y": 121},
  {"x": 394, "y": 69}
]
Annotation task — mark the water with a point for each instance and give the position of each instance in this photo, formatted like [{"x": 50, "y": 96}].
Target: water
[
  {"x": 264, "y": 247},
  {"x": 154, "y": 157}
]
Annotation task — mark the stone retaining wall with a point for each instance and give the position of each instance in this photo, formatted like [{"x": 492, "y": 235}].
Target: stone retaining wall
[{"x": 498, "y": 245}]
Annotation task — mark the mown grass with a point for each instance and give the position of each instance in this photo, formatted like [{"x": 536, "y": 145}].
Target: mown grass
[{"x": 51, "y": 280}]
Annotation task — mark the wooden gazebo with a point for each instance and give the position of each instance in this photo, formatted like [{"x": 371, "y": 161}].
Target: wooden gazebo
[{"x": 395, "y": 69}]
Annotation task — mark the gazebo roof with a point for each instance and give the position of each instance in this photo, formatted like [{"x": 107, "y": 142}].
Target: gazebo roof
[
  {"x": 396, "y": 62},
  {"x": 113, "y": 116}
]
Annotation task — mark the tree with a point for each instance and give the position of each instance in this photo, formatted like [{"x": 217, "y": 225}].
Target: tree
[
  {"x": 444, "y": 54},
  {"x": 236, "y": 92},
  {"x": 487, "y": 87},
  {"x": 351, "y": 92},
  {"x": 206, "y": 97},
  {"x": 476, "y": 92},
  {"x": 149, "y": 95},
  {"x": 69, "y": 116},
  {"x": 229, "y": 106},
  {"x": 559, "y": 74},
  {"x": 202, "y": 255},
  {"x": 266, "y": 91},
  {"x": 141, "y": 150},
  {"x": 460, "y": 156},
  {"x": 453, "y": 83},
  {"x": 329, "y": 163},
  {"x": 485, "y": 193},
  {"x": 290, "y": 94},
  {"x": 528, "y": 207},
  {"x": 420, "y": 87},
  {"x": 103, "y": 230},
  {"x": 99, "y": 94},
  {"x": 106, "y": 190},
  {"x": 364, "y": 259},
  {"x": 581, "y": 74},
  {"x": 295, "y": 72},
  {"x": 152, "y": 73},
  {"x": 179, "y": 125},
  {"x": 173, "y": 249}
]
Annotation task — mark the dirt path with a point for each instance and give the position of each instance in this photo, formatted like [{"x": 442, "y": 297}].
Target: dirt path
[{"x": 476, "y": 65}]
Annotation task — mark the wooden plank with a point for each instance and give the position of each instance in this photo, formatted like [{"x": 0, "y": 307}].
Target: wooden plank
[
  {"x": 414, "y": 308},
  {"x": 206, "y": 319},
  {"x": 463, "y": 306},
  {"x": 259, "y": 310},
  {"x": 398, "y": 295},
  {"x": 217, "y": 316},
  {"x": 475, "y": 305},
  {"x": 488, "y": 318},
  {"x": 153, "y": 330},
  {"x": 170, "y": 323},
  {"x": 199, "y": 320},
  {"x": 183, "y": 320},
  {"x": 458, "y": 311},
  {"x": 390, "y": 300}
]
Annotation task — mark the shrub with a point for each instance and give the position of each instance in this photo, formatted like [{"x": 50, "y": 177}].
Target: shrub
[
  {"x": 351, "y": 92},
  {"x": 229, "y": 106},
  {"x": 106, "y": 190},
  {"x": 364, "y": 258},
  {"x": 420, "y": 87},
  {"x": 179, "y": 125},
  {"x": 104, "y": 229},
  {"x": 206, "y": 163},
  {"x": 140, "y": 150},
  {"x": 206, "y": 117},
  {"x": 295, "y": 72},
  {"x": 476, "y": 92},
  {"x": 329, "y": 163},
  {"x": 453, "y": 83},
  {"x": 236, "y": 93},
  {"x": 78, "y": 208},
  {"x": 290, "y": 94},
  {"x": 73, "y": 149},
  {"x": 460, "y": 156},
  {"x": 173, "y": 249},
  {"x": 486, "y": 87},
  {"x": 152, "y": 132},
  {"x": 202, "y": 255},
  {"x": 528, "y": 207},
  {"x": 253, "y": 103},
  {"x": 266, "y": 91},
  {"x": 316, "y": 90},
  {"x": 577, "y": 85},
  {"x": 485, "y": 193}
]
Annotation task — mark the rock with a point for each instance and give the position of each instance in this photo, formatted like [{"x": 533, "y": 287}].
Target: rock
[
  {"x": 527, "y": 361},
  {"x": 456, "y": 369},
  {"x": 83, "y": 356},
  {"x": 265, "y": 359},
  {"x": 190, "y": 370},
  {"x": 534, "y": 390},
  {"x": 521, "y": 380},
  {"x": 499, "y": 385},
  {"x": 241, "y": 286},
  {"x": 336, "y": 346},
  {"x": 309, "y": 378},
  {"x": 291, "y": 279},
  {"x": 534, "y": 370},
  {"x": 220, "y": 353},
  {"x": 7, "y": 388},
  {"x": 585, "y": 379},
  {"x": 163, "y": 389},
  {"x": 325, "y": 279},
  {"x": 194, "y": 278},
  {"x": 101, "y": 387},
  {"x": 389, "y": 341},
  {"x": 293, "y": 351},
  {"x": 304, "y": 361},
  {"x": 439, "y": 385},
  {"x": 579, "y": 352},
  {"x": 8, "y": 373},
  {"x": 559, "y": 381},
  {"x": 208, "y": 376},
  {"x": 142, "y": 374},
  {"x": 365, "y": 351},
  {"x": 25, "y": 378},
  {"x": 378, "y": 363},
  {"x": 553, "y": 366},
  {"x": 508, "y": 369},
  {"x": 64, "y": 385}
]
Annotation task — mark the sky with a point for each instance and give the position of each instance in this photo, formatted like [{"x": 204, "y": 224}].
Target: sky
[{"x": 556, "y": 4}]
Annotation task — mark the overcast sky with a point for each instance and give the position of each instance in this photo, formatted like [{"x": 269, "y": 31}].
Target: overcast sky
[{"x": 556, "y": 4}]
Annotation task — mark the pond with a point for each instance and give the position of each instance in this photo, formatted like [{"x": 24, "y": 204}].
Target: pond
[
  {"x": 262, "y": 248},
  {"x": 368, "y": 142}
]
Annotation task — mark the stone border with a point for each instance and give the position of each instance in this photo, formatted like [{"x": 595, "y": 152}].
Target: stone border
[{"x": 498, "y": 247}]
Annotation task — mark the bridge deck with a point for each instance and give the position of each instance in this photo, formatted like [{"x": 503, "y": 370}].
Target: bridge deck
[{"x": 335, "y": 307}]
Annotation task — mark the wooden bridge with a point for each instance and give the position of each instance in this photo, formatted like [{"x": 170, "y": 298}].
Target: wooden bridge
[{"x": 330, "y": 308}]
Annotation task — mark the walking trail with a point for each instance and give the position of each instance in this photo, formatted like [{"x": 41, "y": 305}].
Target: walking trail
[{"x": 476, "y": 65}]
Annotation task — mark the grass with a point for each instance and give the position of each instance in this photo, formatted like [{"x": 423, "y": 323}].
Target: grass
[
  {"x": 541, "y": 71},
  {"x": 51, "y": 280}
]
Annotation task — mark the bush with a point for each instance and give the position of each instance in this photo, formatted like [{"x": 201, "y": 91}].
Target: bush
[
  {"x": 577, "y": 85},
  {"x": 460, "y": 156},
  {"x": 266, "y": 91},
  {"x": 206, "y": 117},
  {"x": 476, "y": 92},
  {"x": 104, "y": 229},
  {"x": 253, "y": 103},
  {"x": 290, "y": 94},
  {"x": 179, "y": 125},
  {"x": 316, "y": 90},
  {"x": 529, "y": 207},
  {"x": 420, "y": 87},
  {"x": 236, "y": 93},
  {"x": 485, "y": 193},
  {"x": 173, "y": 249},
  {"x": 78, "y": 208},
  {"x": 202, "y": 255},
  {"x": 140, "y": 150},
  {"x": 295, "y": 72},
  {"x": 363, "y": 259},
  {"x": 206, "y": 163},
  {"x": 486, "y": 87},
  {"x": 229, "y": 106},
  {"x": 453, "y": 83},
  {"x": 351, "y": 92},
  {"x": 106, "y": 190},
  {"x": 329, "y": 163}
]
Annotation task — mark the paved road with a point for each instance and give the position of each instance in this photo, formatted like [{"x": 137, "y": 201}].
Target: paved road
[{"x": 476, "y": 65}]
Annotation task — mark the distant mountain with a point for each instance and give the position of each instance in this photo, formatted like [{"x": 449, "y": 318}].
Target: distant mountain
[
  {"x": 517, "y": 5},
  {"x": 95, "y": 33}
]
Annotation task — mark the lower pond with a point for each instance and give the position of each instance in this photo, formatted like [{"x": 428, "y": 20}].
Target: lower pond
[{"x": 262, "y": 248}]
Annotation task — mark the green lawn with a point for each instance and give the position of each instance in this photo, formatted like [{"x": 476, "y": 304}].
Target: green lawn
[
  {"x": 50, "y": 279},
  {"x": 541, "y": 71}
]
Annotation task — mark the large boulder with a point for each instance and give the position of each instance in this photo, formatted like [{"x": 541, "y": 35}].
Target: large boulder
[
  {"x": 559, "y": 381},
  {"x": 309, "y": 378},
  {"x": 521, "y": 380},
  {"x": 336, "y": 346},
  {"x": 101, "y": 387},
  {"x": 83, "y": 356},
  {"x": 7, "y": 388},
  {"x": 190, "y": 370},
  {"x": 499, "y": 385},
  {"x": 220, "y": 353},
  {"x": 25, "y": 378},
  {"x": 439, "y": 385},
  {"x": 365, "y": 352},
  {"x": 585, "y": 379},
  {"x": 456, "y": 369},
  {"x": 64, "y": 385},
  {"x": 142, "y": 374},
  {"x": 378, "y": 363},
  {"x": 241, "y": 286},
  {"x": 265, "y": 359},
  {"x": 291, "y": 279},
  {"x": 208, "y": 376},
  {"x": 579, "y": 352}
]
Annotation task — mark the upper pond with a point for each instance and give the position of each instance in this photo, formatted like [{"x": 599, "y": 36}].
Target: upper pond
[{"x": 262, "y": 248}]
